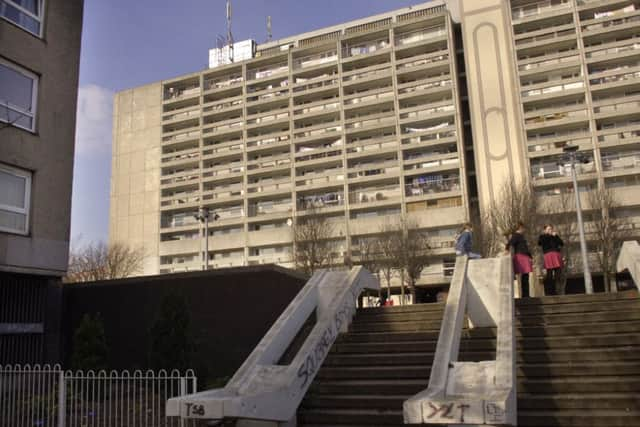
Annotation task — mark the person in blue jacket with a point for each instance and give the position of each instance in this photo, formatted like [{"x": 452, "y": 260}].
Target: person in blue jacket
[{"x": 464, "y": 242}]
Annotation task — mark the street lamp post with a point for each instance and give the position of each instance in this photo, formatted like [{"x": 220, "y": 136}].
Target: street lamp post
[
  {"x": 572, "y": 155},
  {"x": 203, "y": 216}
]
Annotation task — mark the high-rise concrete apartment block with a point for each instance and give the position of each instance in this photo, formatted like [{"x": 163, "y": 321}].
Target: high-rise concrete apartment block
[
  {"x": 39, "y": 61},
  {"x": 422, "y": 111}
]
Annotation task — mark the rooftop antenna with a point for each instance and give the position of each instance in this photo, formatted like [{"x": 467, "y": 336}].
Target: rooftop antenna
[
  {"x": 269, "y": 34},
  {"x": 229, "y": 35}
]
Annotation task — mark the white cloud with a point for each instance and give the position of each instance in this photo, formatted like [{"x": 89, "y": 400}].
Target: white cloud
[{"x": 94, "y": 119}]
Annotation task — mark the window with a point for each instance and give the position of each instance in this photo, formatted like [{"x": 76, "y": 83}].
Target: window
[
  {"x": 18, "y": 95},
  {"x": 15, "y": 194},
  {"x": 27, "y": 14}
]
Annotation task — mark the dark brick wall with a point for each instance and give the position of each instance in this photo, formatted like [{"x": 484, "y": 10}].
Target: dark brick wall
[{"x": 230, "y": 311}]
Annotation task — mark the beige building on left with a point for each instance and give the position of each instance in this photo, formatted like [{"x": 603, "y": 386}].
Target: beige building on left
[{"x": 39, "y": 62}]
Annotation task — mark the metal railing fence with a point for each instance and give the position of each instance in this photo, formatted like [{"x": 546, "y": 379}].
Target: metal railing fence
[{"x": 47, "y": 396}]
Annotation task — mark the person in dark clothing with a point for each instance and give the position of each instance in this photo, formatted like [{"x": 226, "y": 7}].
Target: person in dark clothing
[
  {"x": 522, "y": 264},
  {"x": 551, "y": 245}
]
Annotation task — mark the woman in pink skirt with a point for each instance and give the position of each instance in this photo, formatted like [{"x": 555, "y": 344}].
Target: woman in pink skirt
[
  {"x": 551, "y": 248},
  {"x": 522, "y": 264}
]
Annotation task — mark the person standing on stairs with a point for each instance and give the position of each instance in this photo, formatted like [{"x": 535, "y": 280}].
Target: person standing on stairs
[
  {"x": 522, "y": 264},
  {"x": 464, "y": 242},
  {"x": 551, "y": 245}
]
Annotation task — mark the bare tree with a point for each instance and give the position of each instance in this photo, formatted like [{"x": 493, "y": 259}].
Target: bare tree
[
  {"x": 311, "y": 237},
  {"x": 99, "y": 261},
  {"x": 386, "y": 246},
  {"x": 608, "y": 231},
  {"x": 413, "y": 252},
  {"x": 369, "y": 254},
  {"x": 516, "y": 203}
]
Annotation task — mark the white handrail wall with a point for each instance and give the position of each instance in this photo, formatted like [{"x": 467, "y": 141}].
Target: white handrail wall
[
  {"x": 263, "y": 390},
  {"x": 472, "y": 392},
  {"x": 629, "y": 259}
]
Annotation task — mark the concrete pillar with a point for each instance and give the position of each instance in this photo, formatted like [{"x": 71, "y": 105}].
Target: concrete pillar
[{"x": 499, "y": 145}]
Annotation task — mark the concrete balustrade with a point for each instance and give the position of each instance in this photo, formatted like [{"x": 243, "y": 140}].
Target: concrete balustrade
[
  {"x": 264, "y": 392},
  {"x": 472, "y": 392}
]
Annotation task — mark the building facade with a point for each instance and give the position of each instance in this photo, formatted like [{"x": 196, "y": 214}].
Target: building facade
[
  {"x": 39, "y": 61},
  {"x": 422, "y": 112}
]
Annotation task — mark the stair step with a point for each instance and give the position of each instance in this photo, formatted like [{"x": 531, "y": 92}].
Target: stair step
[
  {"x": 538, "y": 356},
  {"x": 627, "y": 402},
  {"x": 577, "y": 298},
  {"x": 522, "y": 331},
  {"x": 611, "y": 418},
  {"x": 604, "y": 384},
  {"x": 523, "y": 344},
  {"x": 578, "y": 307},
  {"x": 544, "y": 370}
]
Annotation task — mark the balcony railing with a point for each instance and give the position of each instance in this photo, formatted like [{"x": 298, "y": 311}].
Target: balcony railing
[
  {"x": 223, "y": 82},
  {"x": 427, "y": 112},
  {"x": 448, "y": 163},
  {"x": 552, "y": 117},
  {"x": 423, "y": 61},
  {"x": 179, "y": 179},
  {"x": 317, "y": 132},
  {"x": 431, "y": 137},
  {"x": 222, "y": 106},
  {"x": 327, "y": 179},
  {"x": 371, "y": 122},
  {"x": 612, "y": 23},
  {"x": 175, "y": 93},
  {"x": 431, "y": 185},
  {"x": 269, "y": 140},
  {"x": 553, "y": 89},
  {"x": 633, "y": 45},
  {"x": 183, "y": 115},
  {"x": 326, "y": 200},
  {"x": 620, "y": 161},
  {"x": 367, "y": 74},
  {"x": 373, "y": 146},
  {"x": 533, "y": 148},
  {"x": 425, "y": 86},
  {"x": 182, "y": 136},
  {"x": 402, "y": 39},
  {"x": 180, "y": 155},
  {"x": 316, "y": 156},
  {"x": 615, "y": 79},
  {"x": 317, "y": 108},
  {"x": 268, "y": 209},
  {"x": 559, "y": 168},
  {"x": 267, "y": 96},
  {"x": 382, "y": 169},
  {"x": 225, "y": 193},
  {"x": 618, "y": 107},
  {"x": 538, "y": 8},
  {"x": 225, "y": 127},
  {"x": 268, "y": 118},
  {"x": 368, "y": 98},
  {"x": 364, "y": 48},
  {"x": 547, "y": 62},
  {"x": 378, "y": 194},
  {"x": 268, "y": 71},
  {"x": 223, "y": 172},
  {"x": 316, "y": 59},
  {"x": 272, "y": 186},
  {"x": 271, "y": 163}
]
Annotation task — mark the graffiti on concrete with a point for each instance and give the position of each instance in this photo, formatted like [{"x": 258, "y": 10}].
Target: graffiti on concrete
[{"x": 315, "y": 358}]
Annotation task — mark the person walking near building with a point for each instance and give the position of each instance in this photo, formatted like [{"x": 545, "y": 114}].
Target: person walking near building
[
  {"x": 551, "y": 245},
  {"x": 522, "y": 264},
  {"x": 464, "y": 242}
]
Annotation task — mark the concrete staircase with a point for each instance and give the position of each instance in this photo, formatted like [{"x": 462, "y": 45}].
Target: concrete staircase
[{"x": 578, "y": 363}]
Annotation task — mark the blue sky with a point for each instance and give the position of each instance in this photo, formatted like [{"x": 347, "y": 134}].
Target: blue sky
[{"x": 127, "y": 44}]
